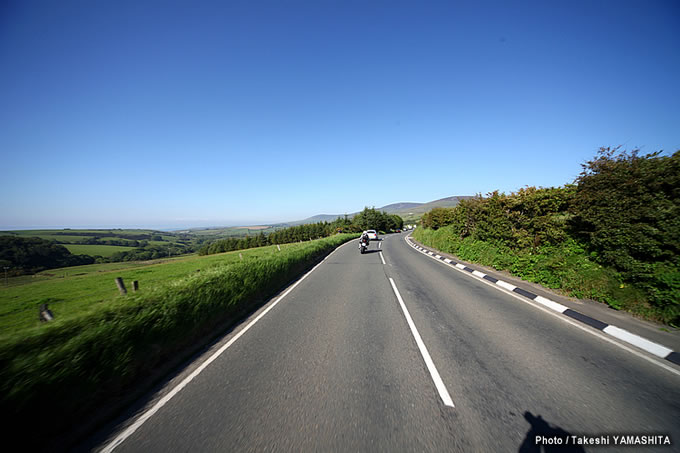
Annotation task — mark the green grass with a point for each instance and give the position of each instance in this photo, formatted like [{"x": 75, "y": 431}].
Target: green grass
[
  {"x": 93, "y": 250},
  {"x": 78, "y": 236},
  {"x": 411, "y": 219},
  {"x": 72, "y": 290},
  {"x": 114, "y": 231},
  {"x": 76, "y": 240},
  {"x": 80, "y": 233},
  {"x": 64, "y": 239},
  {"x": 73, "y": 239},
  {"x": 110, "y": 239},
  {"x": 161, "y": 243},
  {"x": 54, "y": 237},
  {"x": 233, "y": 231},
  {"x": 64, "y": 272},
  {"x": 566, "y": 268},
  {"x": 97, "y": 349}
]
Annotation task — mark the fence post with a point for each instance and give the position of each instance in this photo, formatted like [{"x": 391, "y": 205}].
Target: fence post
[
  {"x": 240, "y": 256},
  {"x": 135, "y": 286},
  {"x": 121, "y": 286},
  {"x": 45, "y": 314}
]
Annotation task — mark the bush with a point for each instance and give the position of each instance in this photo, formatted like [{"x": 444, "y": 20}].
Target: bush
[
  {"x": 627, "y": 207},
  {"x": 438, "y": 217},
  {"x": 614, "y": 236}
]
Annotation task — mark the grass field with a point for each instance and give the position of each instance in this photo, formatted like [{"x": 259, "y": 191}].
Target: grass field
[
  {"x": 109, "y": 242},
  {"x": 101, "y": 344},
  {"x": 70, "y": 291},
  {"x": 234, "y": 231},
  {"x": 77, "y": 233},
  {"x": 78, "y": 236},
  {"x": 93, "y": 250}
]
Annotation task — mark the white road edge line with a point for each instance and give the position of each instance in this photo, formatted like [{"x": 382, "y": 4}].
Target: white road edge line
[
  {"x": 381, "y": 257},
  {"x": 441, "y": 388},
  {"x": 163, "y": 401},
  {"x": 379, "y": 245},
  {"x": 557, "y": 308}
]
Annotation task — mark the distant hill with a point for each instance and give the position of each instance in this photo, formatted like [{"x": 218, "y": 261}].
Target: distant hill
[
  {"x": 395, "y": 207},
  {"x": 318, "y": 218},
  {"x": 413, "y": 211},
  {"x": 406, "y": 210},
  {"x": 422, "y": 208}
]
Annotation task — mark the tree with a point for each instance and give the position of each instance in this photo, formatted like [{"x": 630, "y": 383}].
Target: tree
[
  {"x": 627, "y": 207},
  {"x": 35, "y": 254},
  {"x": 437, "y": 218}
]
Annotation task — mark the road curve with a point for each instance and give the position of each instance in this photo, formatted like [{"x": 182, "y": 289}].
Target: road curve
[{"x": 335, "y": 366}]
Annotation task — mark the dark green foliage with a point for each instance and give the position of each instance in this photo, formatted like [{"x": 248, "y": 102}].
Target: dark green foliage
[
  {"x": 627, "y": 207},
  {"x": 306, "y": 232},
  {"x": 438, "y": 217},
  {"x": 613, "y": 236},
  {"x": 345, "y": 225},
  {"x": 372, "y": 219},
  {"x": 368, "y": 219},
  {"x": 151, "y": 252},
  {"x": 565, "y": 266},
  {"x": 26, "y": 255},
  {"x": 526, "y": 219},
  {"x": 397, "y": 223}
]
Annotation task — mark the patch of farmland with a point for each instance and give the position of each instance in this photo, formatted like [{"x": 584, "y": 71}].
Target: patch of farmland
[{"x": 92, "y": 250}]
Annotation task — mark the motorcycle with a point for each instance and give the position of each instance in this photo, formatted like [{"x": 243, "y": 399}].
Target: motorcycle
[{"x": 363, "y": 246}]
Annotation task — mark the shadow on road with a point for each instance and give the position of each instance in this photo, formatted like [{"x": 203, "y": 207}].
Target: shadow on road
[{"x": 545, "y": 438}]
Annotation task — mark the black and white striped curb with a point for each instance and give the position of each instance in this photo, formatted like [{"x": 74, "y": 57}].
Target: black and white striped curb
[{"x": 621, "y": 334}]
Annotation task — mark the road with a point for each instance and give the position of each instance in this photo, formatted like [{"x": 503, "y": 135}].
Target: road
[{"x": 334, "y": 366}]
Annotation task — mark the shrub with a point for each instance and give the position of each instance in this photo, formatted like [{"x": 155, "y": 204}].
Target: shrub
[
  {"x": 613, "y": 236},
  {"x": 627, "y": 208}
]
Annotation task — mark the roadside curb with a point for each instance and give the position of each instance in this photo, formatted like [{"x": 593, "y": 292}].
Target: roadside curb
[{"x": 621, "y": 334}]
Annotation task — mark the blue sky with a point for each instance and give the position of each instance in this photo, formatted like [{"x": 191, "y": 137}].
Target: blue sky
[{"x": 195, "y": 113}]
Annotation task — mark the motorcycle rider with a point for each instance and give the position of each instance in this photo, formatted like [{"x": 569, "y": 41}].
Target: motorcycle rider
[{"x": 364, "y": 238}]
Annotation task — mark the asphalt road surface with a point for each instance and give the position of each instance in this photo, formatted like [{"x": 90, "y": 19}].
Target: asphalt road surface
[{"x": 335, "y": 366}]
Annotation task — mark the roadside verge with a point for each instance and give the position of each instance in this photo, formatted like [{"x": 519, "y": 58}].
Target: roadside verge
[
  {"x": 62, "y": 377},
  {"x": 563, "y": 307}
]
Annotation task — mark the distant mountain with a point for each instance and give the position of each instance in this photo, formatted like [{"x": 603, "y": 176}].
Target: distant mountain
[
  {"x": 317, "y": 218},
  {"x": 394, "y": 207},
  {"x": 408, "y": 210},
  {"x": 413, "y": 211},
  {"x": 405, "y": 209},
  {"x": 447, "y": 202}
]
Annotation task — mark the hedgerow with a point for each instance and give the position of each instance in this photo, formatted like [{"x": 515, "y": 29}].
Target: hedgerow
[{"x": 613, "y": 235}]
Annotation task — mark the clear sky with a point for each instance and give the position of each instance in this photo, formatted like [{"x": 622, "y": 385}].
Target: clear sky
[{"x": 195, "y": 113}]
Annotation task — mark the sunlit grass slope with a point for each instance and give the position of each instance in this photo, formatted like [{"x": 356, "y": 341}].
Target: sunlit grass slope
[{"x": 101, "y": 342}]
